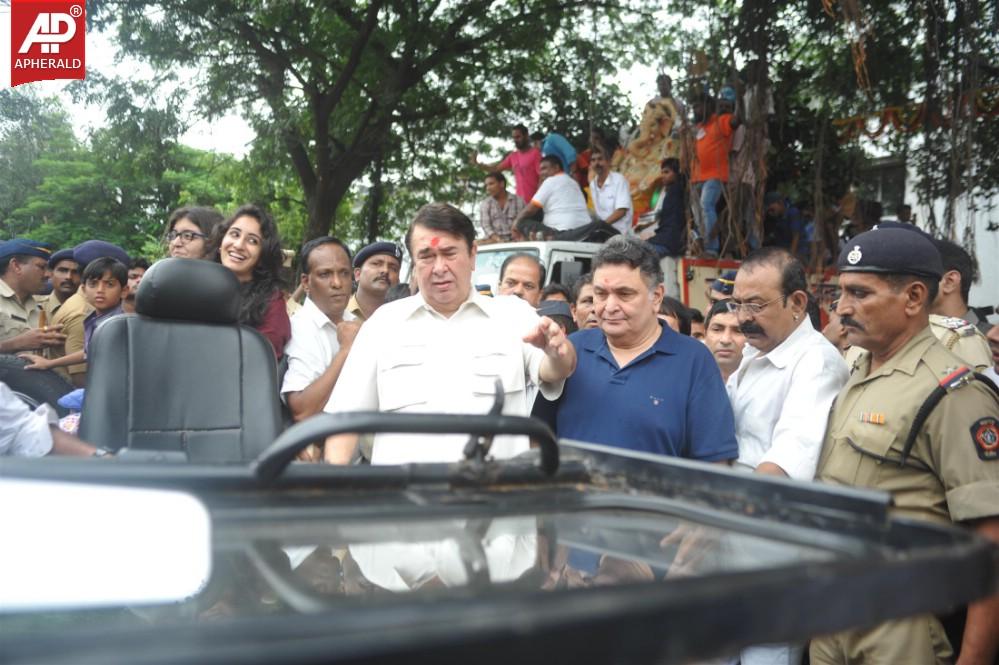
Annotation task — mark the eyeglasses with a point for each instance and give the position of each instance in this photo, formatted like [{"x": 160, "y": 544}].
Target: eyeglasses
[
  {"x": 751, "y": 307},
  {"x": 188, "y": 236}
]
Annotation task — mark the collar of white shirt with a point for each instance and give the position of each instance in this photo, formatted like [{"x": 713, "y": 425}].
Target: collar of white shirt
[
  {"x": 475, "y": 299},
  {"x": 316, "y": 317},
  {"x": 784, "y": 352}
]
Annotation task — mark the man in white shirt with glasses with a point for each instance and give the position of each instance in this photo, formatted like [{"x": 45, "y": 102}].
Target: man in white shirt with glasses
[{"x": 784, "y": 387}]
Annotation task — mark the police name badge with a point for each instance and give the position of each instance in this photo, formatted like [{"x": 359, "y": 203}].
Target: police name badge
[
  {"x": 853, "y": 258},
  {"x": 985, "y": 435}
]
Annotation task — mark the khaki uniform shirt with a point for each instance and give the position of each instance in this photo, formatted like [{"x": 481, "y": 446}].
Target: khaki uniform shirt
[
  {"x": 71, "y": 315},
  {"x": 15, "y": 317},
  {"x": 962, "y": 339},
  {"x": 355, "y": 309},
  {"x": 952, "y": 473}
]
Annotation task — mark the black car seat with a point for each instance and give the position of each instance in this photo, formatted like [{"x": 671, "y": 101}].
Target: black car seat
[{"x": 182, "y": 374}]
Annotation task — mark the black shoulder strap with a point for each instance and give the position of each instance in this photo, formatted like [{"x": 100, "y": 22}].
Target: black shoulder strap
[{"x": 955, "y": 379}]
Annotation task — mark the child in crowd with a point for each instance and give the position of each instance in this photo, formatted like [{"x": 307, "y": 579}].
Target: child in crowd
[{"x": 105, "y": 285}]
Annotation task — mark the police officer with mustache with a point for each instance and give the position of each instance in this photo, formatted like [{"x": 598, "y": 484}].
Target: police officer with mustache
[
  {"x": 376, "y": 270},
  {"x": 914, "y": 421}
]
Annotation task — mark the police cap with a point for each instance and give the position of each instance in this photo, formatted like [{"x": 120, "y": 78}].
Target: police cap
[
  {"x": 87, "y": 251},
  {"x": 374, "y": 248},
  {"x": 25, "y": 247},
  {"x": 724, "y": 283},
  {"x": 892, "y": 251},
  {"x": 61, "y": 255}
]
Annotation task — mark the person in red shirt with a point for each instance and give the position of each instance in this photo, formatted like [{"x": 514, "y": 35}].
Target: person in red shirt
[
  {"x": 248, "y": 244},
  {"x": 525, "y": 162},
  {"x": 709, "y": 173}
]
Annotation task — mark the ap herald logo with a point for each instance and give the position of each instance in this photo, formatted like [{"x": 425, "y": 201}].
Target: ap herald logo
[{"x": 47, "y": 40}]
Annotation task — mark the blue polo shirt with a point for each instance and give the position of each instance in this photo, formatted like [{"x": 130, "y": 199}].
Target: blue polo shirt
[{"x": 669, "y": 400}]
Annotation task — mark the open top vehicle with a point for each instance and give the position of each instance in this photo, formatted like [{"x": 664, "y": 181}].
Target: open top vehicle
[{"x": 203, "y": 542}]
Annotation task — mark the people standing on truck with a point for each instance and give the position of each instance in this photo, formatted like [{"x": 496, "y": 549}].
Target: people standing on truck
[
  {"x": 498, "y": 210},
  {"x": 522, "y": 275},
  {"x": 524, "y": 161},
  {"x": 559, "y": 198},
  {"x": 724, "y": 338},
  {"x": 189, "y": 230},
  {"x": 610, "y": 195},
  {"x": 911, "y": 422},
  {"x": 582, "y": 303},
  {"x": 248, "y": 245},
  {"x": 376, "y": 270},
  {"x": 709, "y": 171},
  {"x": 23, "y": 265},
  {"x": 442, "y": 350},
  {"x": 322, "y": 331},
  {"x": 784, "y": 225},
  {"x": 639, "y": 385},
  {"x": 669, "y": 234}
]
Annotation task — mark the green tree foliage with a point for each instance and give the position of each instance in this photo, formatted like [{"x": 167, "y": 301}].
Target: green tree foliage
[{"x": 342, "y": 86}]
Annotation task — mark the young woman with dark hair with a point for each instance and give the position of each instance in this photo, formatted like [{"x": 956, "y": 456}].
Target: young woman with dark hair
[{"x": 248, "y": 244}]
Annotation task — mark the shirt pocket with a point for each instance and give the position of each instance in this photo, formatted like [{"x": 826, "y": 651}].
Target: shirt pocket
[
  {"x": 402, "y": 379},
  {"x": 864, "y": 452},
  {"x": 505, "y": 366}
]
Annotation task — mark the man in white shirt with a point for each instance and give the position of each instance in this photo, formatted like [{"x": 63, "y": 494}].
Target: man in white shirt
[
  {"x": 609, "y": 191},
  {"x": 321, "y": 331},
  {"x": 784, "y": 387},
  {"x": 27, "y": 433},
  {"x": 442, "y": 350},
  {"x": 559, "y": 197},
  {"x": 789, "y": 374}
]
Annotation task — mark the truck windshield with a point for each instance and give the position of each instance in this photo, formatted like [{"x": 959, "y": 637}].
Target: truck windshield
[{"x": 489, "y": 261}]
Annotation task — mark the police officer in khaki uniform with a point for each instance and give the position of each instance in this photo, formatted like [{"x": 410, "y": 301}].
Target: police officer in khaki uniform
[
  {"x": 947, "y": 470},
  {"x": 962, "y": 339},
  {"x": 22, "y": 274},
  {"x": 376, "y": 269}
]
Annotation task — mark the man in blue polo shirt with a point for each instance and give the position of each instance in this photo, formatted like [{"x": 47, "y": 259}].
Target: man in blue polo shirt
[{"x": 638, "y": 384}]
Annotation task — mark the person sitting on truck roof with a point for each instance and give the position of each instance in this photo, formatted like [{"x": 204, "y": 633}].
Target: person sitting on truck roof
[
  {"x": 561, "y": 200},
  {"x": 522, "y": 275},
  {"x": 610, "y": 194},
  {"x": 498, "y": 210}
]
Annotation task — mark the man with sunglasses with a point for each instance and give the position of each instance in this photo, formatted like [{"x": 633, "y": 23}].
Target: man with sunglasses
[{"x": 911, "y": 421}]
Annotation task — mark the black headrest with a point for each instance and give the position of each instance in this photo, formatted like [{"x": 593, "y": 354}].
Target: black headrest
[{"x": 189, "y": 290}]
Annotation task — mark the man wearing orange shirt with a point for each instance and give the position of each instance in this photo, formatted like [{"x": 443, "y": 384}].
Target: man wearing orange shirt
[{"x": 710, "y": 169}]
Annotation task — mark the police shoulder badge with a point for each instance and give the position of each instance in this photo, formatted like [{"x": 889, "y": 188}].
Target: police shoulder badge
[
  {"x": 853, "y": 258},
  {"x": 985, "y": 435}
]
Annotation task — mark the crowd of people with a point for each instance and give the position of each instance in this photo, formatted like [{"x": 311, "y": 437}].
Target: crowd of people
[{"x": 755, "y": 382}]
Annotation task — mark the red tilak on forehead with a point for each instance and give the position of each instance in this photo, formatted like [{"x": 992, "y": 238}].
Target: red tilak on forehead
[{"x": 435, "y": 241}]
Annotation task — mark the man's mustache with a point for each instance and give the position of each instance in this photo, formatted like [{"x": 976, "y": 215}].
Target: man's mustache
[
  {"x": 751, "y": 328},
  {"x": 851, "y": 323}
]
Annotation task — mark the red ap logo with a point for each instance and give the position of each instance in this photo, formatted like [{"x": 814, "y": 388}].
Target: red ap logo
[{"x": 47, "y": 40}]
